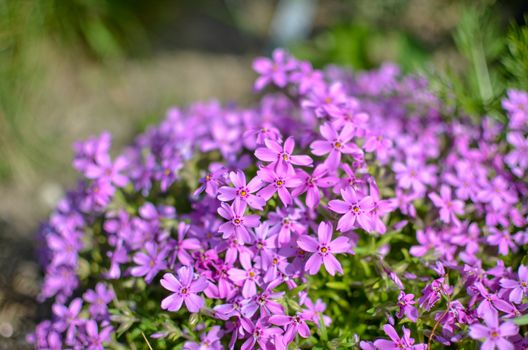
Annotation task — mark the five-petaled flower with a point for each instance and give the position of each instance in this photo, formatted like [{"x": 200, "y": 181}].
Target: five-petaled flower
[
  {"x": 185, "y": 289},
  {"x": 324, "y": 249},
  {"x": 355, "y": 210}
]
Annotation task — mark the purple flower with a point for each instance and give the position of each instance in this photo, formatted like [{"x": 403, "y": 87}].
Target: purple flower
[
  {"x": 273, "y": 70},
  {"x": 517, "y": 107},
  {"x": 491, "y": 302},
  {"x": 279, "y": 182},
  {"x": 517, "y": 159},
  {"x": 212, "y": 180},
  {"x": 185, "y": 289},
  {"x": 182, "y": 245},
  {"x": 326, "y": 101},
  {"x": 324, "y": 249},
  {"x": 396, "y": 343},
  {"x": 238, "y": 223},
  {"x": 94, "y": 338},
  {"x": 293, "y": 325},
  {"x": 335, "y": 144},
  {"x": 378, "y": 144},
  {"x": 502, "y": 239},
  {"x": 449, "y": 208},
  {"x": 493, "y": 333},
  {"x": 413, "y": 175},
  {"x": 405, "y": 302},
  {"x": 68, "y": 317},
  {"x": 281, "y": 157},
  {"x": 355, "y": 210},
  {"x": 99, "y": 300},
  {"x": 149, "y": 263},
  {"x": 259, "y": 333},
  {"x": 92, "y": 151},
  {"x": 242, "y": 191},
  {"x": 264, "y": 301},
  {"x": 111, "y": 172},
  {"x": 315, "y": 311},
  {"x": 311, "y": 184},
  {"x": 208, "y": 341},
  {"x": 168, "y": 172},
  {"x": 248, "y": 278},
  {"x": 519, "y": 288}
]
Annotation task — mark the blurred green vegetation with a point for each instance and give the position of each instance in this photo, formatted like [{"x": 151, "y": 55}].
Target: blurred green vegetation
[{"x": 100, "y": 29}]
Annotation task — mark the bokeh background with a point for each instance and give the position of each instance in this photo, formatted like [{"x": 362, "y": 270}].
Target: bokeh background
[{"x": 70, "y": 69}]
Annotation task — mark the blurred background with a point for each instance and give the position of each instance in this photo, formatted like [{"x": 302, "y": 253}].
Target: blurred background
[{"x": 70, "y": 69}]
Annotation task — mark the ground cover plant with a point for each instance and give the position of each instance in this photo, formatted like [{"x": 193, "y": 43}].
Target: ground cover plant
[{"x": 343, "y": 210}]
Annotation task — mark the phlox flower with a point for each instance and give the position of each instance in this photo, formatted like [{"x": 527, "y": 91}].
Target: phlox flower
[
  {"x": 185, "y": 288},
  {"x": 449, "y": 208},
  {"x": 335, "y": 144},
  {"x": 208, "y": 341},
  {"x": 242, "y": 191},
  {"x": 238, "y": 223},
  {"x": 326, "y": 101},
  {"x": 278, "y": 182},
  {"x": 355, "y": 208},
  {"x": 99, "y": 298},
  {"x": 324, "y": 249},
  {"x": 248, "y": 277},
  {"x": 311, "y": 184},
  {"x": 518, "y": 288},
  {"x": 281, "y": 157},
  {"x": 293, "y": 325},
  {"x": 396, "y": 342},
  {"x": 150, "y": 262},
  {"x": 274, "y": 70},
  {"x": 493, "y": 333}
]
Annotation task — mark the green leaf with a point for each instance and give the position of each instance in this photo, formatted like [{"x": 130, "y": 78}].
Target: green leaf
[{"x": 522, "y": 320}]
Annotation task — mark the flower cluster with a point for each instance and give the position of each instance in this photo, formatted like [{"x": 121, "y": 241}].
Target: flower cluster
[{"x": 339, "y": 208}]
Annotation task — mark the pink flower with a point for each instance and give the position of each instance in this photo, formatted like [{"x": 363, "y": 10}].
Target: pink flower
[
  {"x": 493, "y": 333},
  {"x": 238, "y": 222},
  {"x": 326, "y": 101},
  {"x": 281, "y": 157},
  {"x": 405, "y": 342},
  {"x": 149, "y": 263},
  {"x": 185, "y": 289},
  {"x": 311, "y": 184},
  {"x": 414, "y": 175},
  {"x": 449, "y": 208},
  {"x": 293, "y": 325},
  {"x": 502, "y": 239},
  {"x": 518, "y": 288},
  {"x": 273, "y": 70},
  {"x": 248, "y": 277},
  {"x": 355, "y": 209},
  {"x": 324, "y": 249},
  {"x": 242, "y": 191},
  {"x": 335, "y": 144},
  {"x": 278, "y": 182}
]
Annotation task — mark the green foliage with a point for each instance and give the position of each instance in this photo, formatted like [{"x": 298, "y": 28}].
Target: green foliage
[
  {"x": 515, "y": 61},
  {"x": 363, "y": 46}
]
